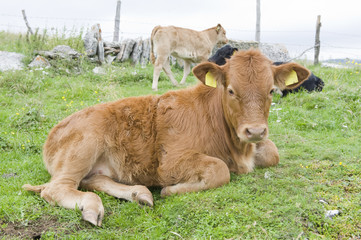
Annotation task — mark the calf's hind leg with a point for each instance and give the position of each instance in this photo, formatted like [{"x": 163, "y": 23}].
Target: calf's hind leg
[
  {"x": 66, "y": 195},
  {"x": 192, "y": 174},
  {"x": 186, "y": 71},
  {"x": 162, "y": 62},
  {"x": 168, "y": 70},
  {"x": 68, "y": 165},
  {"x": 137, "y": 193}
]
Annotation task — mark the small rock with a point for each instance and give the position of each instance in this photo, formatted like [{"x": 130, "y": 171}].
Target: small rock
[
  {"x": 99, "y": 70},
  {"x": 267, "y": 175},
  {"x": 39, "y": 61},
  {"x": 109, "y": 58},
  {"x": 331, "y": 213}
]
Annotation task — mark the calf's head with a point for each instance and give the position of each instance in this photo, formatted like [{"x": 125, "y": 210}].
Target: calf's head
[
  {"x": 246, "y": 83},
  {"x": 221, "y": 34}
]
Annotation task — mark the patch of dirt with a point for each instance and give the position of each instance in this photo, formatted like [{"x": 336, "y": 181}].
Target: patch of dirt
[
  {"x": 31, "y": 230},
  {"x": 10, "y": 175}
]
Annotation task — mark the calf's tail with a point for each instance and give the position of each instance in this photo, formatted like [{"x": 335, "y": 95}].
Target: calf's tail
[{"x": 152, "y": 57}]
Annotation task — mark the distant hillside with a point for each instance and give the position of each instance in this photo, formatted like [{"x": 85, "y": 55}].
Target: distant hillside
[{"x": 342, "y": 63}]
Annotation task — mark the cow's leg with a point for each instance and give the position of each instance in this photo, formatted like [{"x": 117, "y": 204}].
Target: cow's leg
[
  {"x": 194, "y": 173},
  {"x": 63, "y": 192},
  {"x": 186, "y": 71},
  {"x": 137, "y": 193},
  {"x": 168, "y": 71},
  {"x": 158, "y": 65},
  {"x": 68, "y": 165},
  {"x": 266, "y": 154}
]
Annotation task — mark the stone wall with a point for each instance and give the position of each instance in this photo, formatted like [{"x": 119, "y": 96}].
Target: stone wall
[{"x": 138, "y": 50}]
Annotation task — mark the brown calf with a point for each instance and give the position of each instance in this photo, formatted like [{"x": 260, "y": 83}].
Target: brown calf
[
  {"x": 184, "y": 141},
  {"x": 189, "y": 45}
]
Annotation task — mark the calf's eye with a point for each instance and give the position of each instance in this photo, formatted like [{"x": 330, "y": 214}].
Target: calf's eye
[{"x": 230, "y": 91}]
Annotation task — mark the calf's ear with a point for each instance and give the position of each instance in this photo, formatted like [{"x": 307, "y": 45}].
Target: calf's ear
[
  {"x": 209, "y": 74},
  {"x": 218, "y": 28},
  {"x": 289, "y": 75}
]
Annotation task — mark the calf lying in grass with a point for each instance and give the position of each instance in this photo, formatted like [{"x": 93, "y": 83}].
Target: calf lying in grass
[{"x": 184, "y": 141}]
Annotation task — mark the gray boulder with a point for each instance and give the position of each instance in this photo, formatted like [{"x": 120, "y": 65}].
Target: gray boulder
[
  {"x": 60, "y": 51},
  {"x": 11, "y": 61},
  {"x": 145, "y": 55},
  {"x": 91, "y": 39},
  {"x": 275, "y": 52},
  {"x": 113, "y": 44},
  {"x": 129, "y": 45},
  {"x": 121, "y": 52},
  {"x": 137, "y": 51}
]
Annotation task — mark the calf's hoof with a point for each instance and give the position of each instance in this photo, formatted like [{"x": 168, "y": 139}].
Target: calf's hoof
[
  {"x": 143, "y": 196},
  {"x": 93, "y": 217},
  {"x": 165, "y": 192},
  {"x": 92, "y": 209}
]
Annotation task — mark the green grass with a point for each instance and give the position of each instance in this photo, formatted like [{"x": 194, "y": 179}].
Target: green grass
[{"x": 318, "y": 136}]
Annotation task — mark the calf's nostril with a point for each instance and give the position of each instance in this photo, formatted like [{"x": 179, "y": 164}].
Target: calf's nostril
[
  {"x": 248, "y": 133},
  {"x": 263, "y": 133}
]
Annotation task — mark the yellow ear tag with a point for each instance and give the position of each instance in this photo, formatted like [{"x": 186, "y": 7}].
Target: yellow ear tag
[
  {"x": 210, "y": 81},
  {"x": 234, "y": 52},
  {"x": 292, "y": 78}
]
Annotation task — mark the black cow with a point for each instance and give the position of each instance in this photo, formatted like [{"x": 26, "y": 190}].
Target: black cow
[
  {"x": 220, "y": 56},
  {"x": 313, "y": 83}
]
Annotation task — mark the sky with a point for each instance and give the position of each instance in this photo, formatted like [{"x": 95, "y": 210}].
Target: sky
[{"x": 288, "y": 22}]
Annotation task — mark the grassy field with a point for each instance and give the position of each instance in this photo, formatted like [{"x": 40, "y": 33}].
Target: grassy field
[{"x": 318, "y": 136}]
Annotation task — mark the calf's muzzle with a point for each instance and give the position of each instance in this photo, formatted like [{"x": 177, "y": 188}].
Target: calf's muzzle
[{"x": 253, "y": 133}]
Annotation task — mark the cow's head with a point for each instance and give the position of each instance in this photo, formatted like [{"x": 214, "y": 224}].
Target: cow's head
[
  {"x": 247, "y": 81},
  {"x": 221, "y": 34}
]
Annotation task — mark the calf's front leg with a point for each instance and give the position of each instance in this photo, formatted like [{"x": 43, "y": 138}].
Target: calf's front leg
[
  {"x": 192, "y": 174},
  {"x": 266, "y": 154},
  {"x": 137, "y": 193}
]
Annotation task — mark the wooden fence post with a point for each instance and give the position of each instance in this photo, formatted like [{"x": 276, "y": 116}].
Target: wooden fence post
[
  {"x": 317, "y": 40},
  {"x": 26, "y": 22},
  {"x": 258, "y": 21},
  {"x": 117, "y": 22}
]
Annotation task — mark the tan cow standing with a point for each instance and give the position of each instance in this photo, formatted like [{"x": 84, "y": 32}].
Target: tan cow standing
[
  {"x": 184, "y": 141},
  {"x": 182, "y": 43}
]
